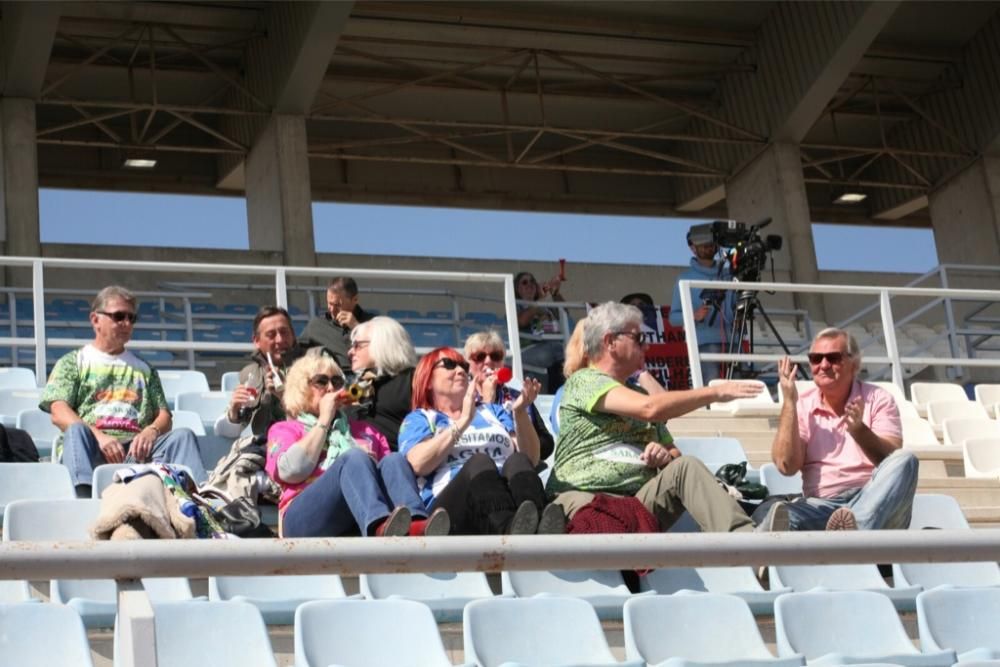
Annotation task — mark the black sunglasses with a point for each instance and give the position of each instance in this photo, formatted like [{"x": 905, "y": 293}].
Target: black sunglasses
[
  {"x": 450, "y": 364},
  {"x": 480, "y": 357},
  {"x": 119, "y": 316},
  {"x": 321, "y": 381},
  {"x": 637, "y": 336},
  {"x": 816, "y": 358}
]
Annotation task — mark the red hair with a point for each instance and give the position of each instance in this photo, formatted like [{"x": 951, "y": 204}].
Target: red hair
[{"x": 422, "y": 395}]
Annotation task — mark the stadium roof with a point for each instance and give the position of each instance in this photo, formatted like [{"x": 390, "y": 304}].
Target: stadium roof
[{"x": 628, "y": 107}]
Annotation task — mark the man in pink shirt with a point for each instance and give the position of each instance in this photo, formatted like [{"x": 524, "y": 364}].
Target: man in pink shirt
[{"x": 844, "y": 436}]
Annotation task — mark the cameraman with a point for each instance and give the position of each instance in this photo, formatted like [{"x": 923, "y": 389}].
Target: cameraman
[{"x": 713, "y": 309}]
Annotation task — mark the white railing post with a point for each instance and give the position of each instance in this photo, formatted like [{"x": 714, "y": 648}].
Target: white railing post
[
  {"x": 690, "y": 336},
  {"x": 510, "y": 309},
  {"x": 189, "y": 327},
  {"x": 136, "y": 627},
  {"x": 949, "y": 314},
  {"x": 281, "y": 288},
  {"x": 38, "y": 296},
  {"x": 889, "y": 334}
]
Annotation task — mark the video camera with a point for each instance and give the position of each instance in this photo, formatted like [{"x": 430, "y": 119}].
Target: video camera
[{"x": 747, "y": 249}]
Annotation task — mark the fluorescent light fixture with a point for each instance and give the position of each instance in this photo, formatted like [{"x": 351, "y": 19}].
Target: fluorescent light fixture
[
  {"x": 139, "y": 163},
  {"x": 850, "y": 198}
]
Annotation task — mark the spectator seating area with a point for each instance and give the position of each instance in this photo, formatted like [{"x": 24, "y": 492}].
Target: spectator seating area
[{"x": 614, "y": 620}]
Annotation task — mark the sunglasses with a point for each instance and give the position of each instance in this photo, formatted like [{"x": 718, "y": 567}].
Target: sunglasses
[
  {"x": 835, "y": 358},
  {"x": 634, "y": 335},
  {"x": 480, "y": 357},
  {"x": 450, "y": 364},
  {"x": 119, "y": 316},
  {"x": 358, "y": 344},
  {"x": 322, "y": 381}
]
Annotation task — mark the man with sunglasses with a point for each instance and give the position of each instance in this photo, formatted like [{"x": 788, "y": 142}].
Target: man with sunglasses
[
  {"x": 844, "y": 436},
  {"x": 332, "y": 332},
  {"x": 257, "y": 398},
  {"x": 109, "y": 403}
]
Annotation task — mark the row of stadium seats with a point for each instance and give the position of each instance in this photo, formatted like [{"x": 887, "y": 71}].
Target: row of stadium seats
[{"x": 821, "y": 627}]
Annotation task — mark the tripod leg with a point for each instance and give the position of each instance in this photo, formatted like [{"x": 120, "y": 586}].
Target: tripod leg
[{"x": 781, "y": 341}]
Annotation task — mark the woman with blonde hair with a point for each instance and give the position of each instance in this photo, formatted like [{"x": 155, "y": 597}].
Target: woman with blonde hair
[{"x": 337, "y": 474}]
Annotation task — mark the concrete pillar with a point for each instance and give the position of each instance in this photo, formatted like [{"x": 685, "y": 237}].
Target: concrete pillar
[
  {"x": 772, "y": 186},
  {"x": 19, "y": 228},
  {"x": 279, "y": 193},
  {"x": 965, "y": 213}
]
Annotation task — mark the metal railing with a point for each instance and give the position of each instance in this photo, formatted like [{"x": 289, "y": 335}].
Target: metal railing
[
  {"x": 279, "y": 275},
  {"x": 884, "y": 295}
]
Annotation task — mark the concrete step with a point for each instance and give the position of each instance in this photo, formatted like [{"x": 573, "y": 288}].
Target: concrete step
[
  {"x": 968, "y": 492},
  {"x": 727, "y": 424}
]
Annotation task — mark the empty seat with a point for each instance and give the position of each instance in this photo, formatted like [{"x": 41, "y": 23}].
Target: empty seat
[
  {"x": 778, "y": 484},
  {"x": 931, "y": 575},
  {"x": 935, "y": 510},
  {"x": 229, "y": 381},
  {"x": 981, "y": 457},
  {"x": 372, "y": 633},
  {"x": 988, "y": 396},
  {"x": 12, "y": 401},
  {"x": 851, "y": 577},
  {"x": 713, "y": 452},
  {"x": 177, "y": 382},
  {"x": 545, "y": 630},
  {"x": 33, "y": 481},
  {"x": 939, "y": 411},
  {"x": 42, "y": 634},
  {"x": 39, "y": 426},
  {"x": 445, "y": 593},
  {"x": 738, "y": 581},
  {"x": 906, "y": 408},
  {"x": 704, "y": 628},
  {"x": 94, "y": 599},
  {"x": 208, "y": 404},
  {"x": 17, "y": 378},
  {"x": 13, "y": 590},
  {"x": 918, "y": 433},
  {"x": 962, "y": 620},
  {"x": 277, "y": 597},
  {"x": 104, "y": 475},
  {"x": 605, "y": 590},
  {"x": 922, "y": 393},
  {"x": 188, "y": 419},
  {"x": 229, "y": 634},
  {"x": 831, "y": 628},
  {"x": 956, "y": 430},
  {"x": 761, "y": 404}
]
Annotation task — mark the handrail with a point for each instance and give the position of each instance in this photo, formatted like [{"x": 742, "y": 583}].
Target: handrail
[{"x": 884, "y": 294}]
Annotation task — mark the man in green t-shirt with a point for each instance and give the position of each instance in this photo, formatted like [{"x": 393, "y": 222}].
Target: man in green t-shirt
[
  {"x": 109, "y": 403},
  {"x": 613, "y": 438}
]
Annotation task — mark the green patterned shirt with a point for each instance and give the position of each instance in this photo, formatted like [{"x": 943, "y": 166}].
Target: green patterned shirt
[{"x": 598, "y": 451}]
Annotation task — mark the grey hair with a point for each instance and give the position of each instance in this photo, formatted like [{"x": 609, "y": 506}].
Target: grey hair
[
  {"x": 488, "y": 339},
  {"x": 853, "y": 349},
  {"x": 607, "y": 318},
  {"x": 390, "y": 348},
  {"x": 112, "y": 292}
]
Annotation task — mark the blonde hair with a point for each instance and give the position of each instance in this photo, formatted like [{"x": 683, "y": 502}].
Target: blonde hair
[
  {"x": 480, "y": 340},
  {"x": 576, "y": 355},
  {"x": 296, "y": 398}
]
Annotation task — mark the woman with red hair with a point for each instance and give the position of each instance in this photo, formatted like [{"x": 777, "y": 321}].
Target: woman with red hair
[{"x": 476, "y": 462}]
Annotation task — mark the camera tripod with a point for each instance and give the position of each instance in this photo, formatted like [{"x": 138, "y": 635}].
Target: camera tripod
[{"x": 747, "y": 307}]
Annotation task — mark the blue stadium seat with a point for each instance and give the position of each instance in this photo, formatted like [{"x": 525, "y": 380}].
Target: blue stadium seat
[
  {"x": 704, "y": 628},
  {"x": 432, "y": 335},
  {"x": 738, "y": 581},
  {"x": 605, "y": 590},
  {"x": 209, "y": 633},
  {"x": 204, "y": 308},
  {"x": 229, "y": 381},
  {"x": 33, "y": 481},
  {"x": 853, "y": 577},
  {"x": 544, "y": 630},
  {"x": 832, "y": 628},
  {"x": 483, "y": 319},
  {"x": 17, "y": 378},
  {"x": 208, "y": 405},
  {"x": 39, "y": 426},
  {"x": 240, "y": 309},
  {"x": 42, "y": 634},
  {"x": 277, "y": 597},
  {"x": 357, "y": 632},
  {"x": 964, "y": 620},
  {"x": 405, "y": 314},
  {"x": 54, "y": 520},
  {"x": 12, "y": 401},
  {"x": 438, "y": 314},
  {"x": 176, "y": 382},
  {"x": 445, "y": 593}
]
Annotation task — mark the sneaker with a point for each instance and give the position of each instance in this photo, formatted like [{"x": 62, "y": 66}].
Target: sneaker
[
  {"x": 553, "y": 521},
  {"x": 525, "y": 519},
  {"x": 842, "y": 519},
  {"x": 397, "y": 524},
  {"x": 437, "y": 524},
  {"x": 776, "y": 520}
]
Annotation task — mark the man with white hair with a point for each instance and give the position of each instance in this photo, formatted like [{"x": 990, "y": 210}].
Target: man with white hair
[
  {"x": 844, "y": 436},
  {"x": 613, "y": 439}
]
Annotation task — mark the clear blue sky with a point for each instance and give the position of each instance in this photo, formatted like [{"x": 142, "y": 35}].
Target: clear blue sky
[{"x": 77, "y": 216}]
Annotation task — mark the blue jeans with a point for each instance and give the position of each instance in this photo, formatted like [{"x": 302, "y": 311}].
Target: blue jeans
[
  {"x": 81, "y": 453},
  {"x": 886, "y": 501},
  {"x": 353, "y": 493}
]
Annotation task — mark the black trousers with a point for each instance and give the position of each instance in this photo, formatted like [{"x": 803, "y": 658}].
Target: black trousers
[{"x": 482, "y": 500}]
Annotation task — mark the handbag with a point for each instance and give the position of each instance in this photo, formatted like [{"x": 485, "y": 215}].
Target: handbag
[
  {"x": 735, "y": 475},
  {"x": 239, "y": 516}
]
